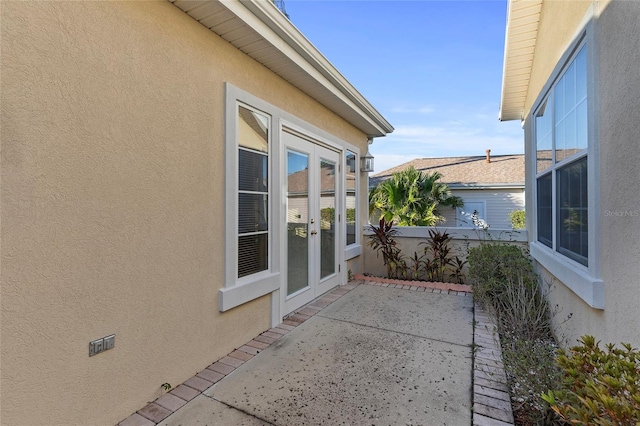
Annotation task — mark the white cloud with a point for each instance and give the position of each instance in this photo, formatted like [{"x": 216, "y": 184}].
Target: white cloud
[
  {"x": 427, "y": 109},
  {"x": 409, "y": 142}
]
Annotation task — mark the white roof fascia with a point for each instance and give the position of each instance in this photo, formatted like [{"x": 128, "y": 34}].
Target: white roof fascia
[
  {"x": 521, "y": 32},
  {"x": 282, "y": 26},
  {"x": 263, "y": 17}
]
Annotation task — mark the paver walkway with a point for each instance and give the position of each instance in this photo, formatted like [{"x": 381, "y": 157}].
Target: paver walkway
[{"x": 376, "y": 355}]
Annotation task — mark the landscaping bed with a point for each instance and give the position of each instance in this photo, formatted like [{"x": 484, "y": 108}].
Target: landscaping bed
[{"x": 584, "y": 385}]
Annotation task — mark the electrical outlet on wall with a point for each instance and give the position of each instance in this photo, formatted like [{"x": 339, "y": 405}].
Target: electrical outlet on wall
[{"x": 101, "y": 345}]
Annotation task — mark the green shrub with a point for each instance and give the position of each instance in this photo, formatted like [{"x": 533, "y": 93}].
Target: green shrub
[
  {"x": 600, "y": 387},
  {"x": 493, "y": 265},
  {"x": 518, "y": 219}
]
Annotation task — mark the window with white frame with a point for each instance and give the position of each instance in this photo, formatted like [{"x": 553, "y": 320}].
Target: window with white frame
[
  {"x": 253, "y": 191},
  {"x": 561, "y": 143},
  {"x": 472, "y": 213},
  {"x": 351, "y": 211}
]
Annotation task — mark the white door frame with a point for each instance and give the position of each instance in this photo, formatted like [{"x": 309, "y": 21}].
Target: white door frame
[{"x": 297, "y": 142}]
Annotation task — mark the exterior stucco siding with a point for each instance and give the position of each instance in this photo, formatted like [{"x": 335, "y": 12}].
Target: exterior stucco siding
[
  {"x": 112, "y": 184},
  {"x": 614, "y": 46}
]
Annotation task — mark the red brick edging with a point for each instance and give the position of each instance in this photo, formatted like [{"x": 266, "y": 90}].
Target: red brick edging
[
  {"x": 388, "y": 282},
  {"x": 491, "y": 397}
]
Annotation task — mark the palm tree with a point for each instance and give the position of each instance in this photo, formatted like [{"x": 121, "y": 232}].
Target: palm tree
[{"x": 411, "y": 198}]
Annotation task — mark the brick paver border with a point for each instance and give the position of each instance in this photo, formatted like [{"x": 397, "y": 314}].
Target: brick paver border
[{"x": 490, "y": 397}]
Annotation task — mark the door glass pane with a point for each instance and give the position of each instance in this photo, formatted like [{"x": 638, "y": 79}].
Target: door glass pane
[
  {"x": 327, "y": 218},
  {"x": 297, "y": 221}
]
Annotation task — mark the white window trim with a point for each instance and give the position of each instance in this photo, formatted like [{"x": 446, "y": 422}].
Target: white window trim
[
  {"x": 585, "y": 282},
  {"x": 355, "y": 249},
  {"x": 237, "y": 291}
]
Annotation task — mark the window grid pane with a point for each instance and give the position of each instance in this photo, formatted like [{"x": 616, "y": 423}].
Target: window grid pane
[
  {"x": 545, "y": 212},
  {"x": 572, "y": 220},
  {"x": 350, "y": 207},
  {"x": 252, "y": 213},
  {"x": 544, "y": 141},
  {"x": 571, "y": 110},
  {"x": 253, "y": 175},
  {"x": 252, "y": 254},
  {"x": 253, "y": 130}
]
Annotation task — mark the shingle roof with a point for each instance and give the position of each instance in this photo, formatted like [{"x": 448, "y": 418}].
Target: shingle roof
[
  {"x": 298, "y": 182},
  {"x": 466, "y": 171}
]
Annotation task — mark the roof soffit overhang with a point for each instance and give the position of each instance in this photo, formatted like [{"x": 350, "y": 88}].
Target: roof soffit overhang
[
  {"x": 523, "y": 17},
  {"x": 259, "y": 29}
]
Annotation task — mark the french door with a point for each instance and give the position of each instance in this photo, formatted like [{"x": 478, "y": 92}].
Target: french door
[{"x": 311, "y": 253}]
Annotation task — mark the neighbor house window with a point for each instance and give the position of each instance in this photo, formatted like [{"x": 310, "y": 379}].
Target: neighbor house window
[
  {"x": 253, "y": 191},
  {"x": 351, "y": 203},
  {"x": 472, "y": 214},
  {"x": 561, "y": 163}
]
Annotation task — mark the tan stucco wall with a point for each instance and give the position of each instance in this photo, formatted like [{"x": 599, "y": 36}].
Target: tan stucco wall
[
  {"x": 112, "y": 222},
  {"x": 618, "y": 215}
]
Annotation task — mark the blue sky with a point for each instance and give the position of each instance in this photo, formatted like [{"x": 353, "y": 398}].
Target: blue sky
[{"x": 432, "y": 68}]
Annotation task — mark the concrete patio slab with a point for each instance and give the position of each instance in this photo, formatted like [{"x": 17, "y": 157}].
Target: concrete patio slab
[
  {"x": 204, "y": 411},
  {"x": 491, "y": 399},
  {"x": 350, "y": 365},
  {"x": 444, "y": 317}
]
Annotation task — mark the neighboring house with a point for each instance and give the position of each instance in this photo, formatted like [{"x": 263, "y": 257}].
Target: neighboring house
[
  {"x": 146, "y": 154},
  {"x": 491, "y": 185},
  {"x": 571, "y": 75}
]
